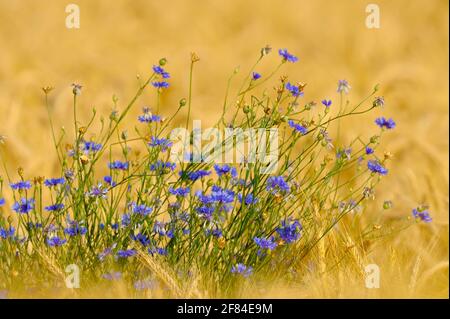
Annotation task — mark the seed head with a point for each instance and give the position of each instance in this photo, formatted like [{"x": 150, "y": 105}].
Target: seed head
[
  {"x": 194, "y": 57},
  {"x": 47, "y": 89},
  {"x": 76, "y": 89},
  {"x": 265, "y": 50},
  {"x": 84, "y": 159}
]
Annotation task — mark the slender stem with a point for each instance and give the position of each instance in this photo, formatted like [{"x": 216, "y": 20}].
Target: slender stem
[
  {"x": 191, "y": 71},
  {"x": 51, "y": 127}
]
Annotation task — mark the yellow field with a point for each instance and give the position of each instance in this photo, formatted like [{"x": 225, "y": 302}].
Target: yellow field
[{"x": 407, "y": 56}]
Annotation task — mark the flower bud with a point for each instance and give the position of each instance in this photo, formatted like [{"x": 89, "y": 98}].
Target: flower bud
[{"x": 162, "y": 61}]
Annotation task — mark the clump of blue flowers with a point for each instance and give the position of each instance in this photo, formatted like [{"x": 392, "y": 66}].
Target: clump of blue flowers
[{"x": 117, "y": 199}]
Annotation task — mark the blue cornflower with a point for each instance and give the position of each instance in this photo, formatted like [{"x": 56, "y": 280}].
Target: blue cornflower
[
  {"x": 183, "y": 192},
  {"x": 23, "y": 206},
  {"x": 299, "y": 128},
  {"x": 327, "y": 103},
  {"x": 89, "y": 146},
  {"x": 106, "y": 252},
  {"x": 276, "y": 184},
  {"x": 159, "y": 70},
  {"x": 343, "y": 87},
  {"x": 75, "y": 229},
  {"x": 143, "y": 239},
  {"x": 294, "y": 89},
  {"x": 159, "y": 228},
  {"x": 145, "y": 284},
  {"x": 194, "y": 175},
  {"x": 214, "y": 232},
  {"x": 379, "y": 101},
  {"x": 5, "y": 233},
  {"x": 225, "y": 169},
  {"x": 148, "y": 117},
  {"x": 222, "y": 195},
  {"x": 108, "y": 180},
  {"x": 345, "y": 153},
  {"x": 160, "y": 84},
  {"x": 98, "y": 191},
  {"x": 50, "y": 182},
  {"x": 55, "y": 241},
  {"x": 249, "y": 199},
  {"x": 2, "y": 201},
  {"x": 112, "y": 276},
  {"x": 385, "y": 123},
  {"x": 158, "y": 250},
  {"x": 369, "y": 150},
  {"x": 119, "y": 165},
  {"x": 54, "y": 207},
  {"x": 289, "y": 232},
  {"x": 206, "y": 211},
  {"x": 142, "y": 210},
  {"x": 375, "y": 167},
  {"x": 265, "y": 243},
  {"x": 422, "y": 214},
  {"x": 161, "y": 166},
  {"x": 164, "y": 143},
  {"x": 256, "y": 76},
  {"x": 126, "y": 220},
  {"x": 287, "y": 56},
  {"x": 21, "y": 185},
  {"x": 126, "y": 253},
  {"x": 242, "y": 269}
]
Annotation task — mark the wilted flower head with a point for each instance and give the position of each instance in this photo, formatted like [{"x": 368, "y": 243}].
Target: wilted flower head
[
  {"x": 266, "y": 50},
  {"x": 76, "y": 89},
  {"x": 343, "y": 87},
  {"x": 379, "y": 101}
]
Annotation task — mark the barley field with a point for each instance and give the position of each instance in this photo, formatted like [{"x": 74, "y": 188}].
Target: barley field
[{"x": 118, "y": 42}]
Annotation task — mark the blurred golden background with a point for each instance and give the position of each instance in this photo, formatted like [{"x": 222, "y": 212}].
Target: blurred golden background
[{"x": 407, "y": 55}]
